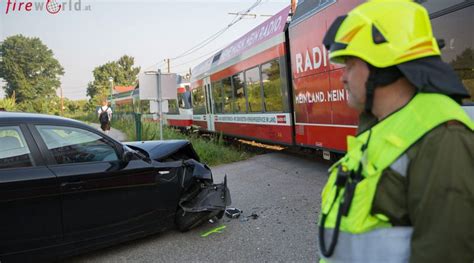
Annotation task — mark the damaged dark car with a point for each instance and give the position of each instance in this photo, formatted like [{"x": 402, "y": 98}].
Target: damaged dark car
[{"x": 66, "y": 188}]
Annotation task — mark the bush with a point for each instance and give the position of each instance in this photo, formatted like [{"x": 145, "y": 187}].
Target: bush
[{"x": 8, "y": 104}]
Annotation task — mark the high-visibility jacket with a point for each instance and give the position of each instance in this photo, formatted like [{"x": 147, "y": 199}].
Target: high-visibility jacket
[{"x": 349, "y": 232}]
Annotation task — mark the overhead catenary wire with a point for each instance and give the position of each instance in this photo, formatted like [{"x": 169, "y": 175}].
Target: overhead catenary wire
[
  {"x": 200, "y": 57},
  {"x": 156, "y": 65},
  {"x": 209, "y": 39},
  {"x": 220, "y": 32}
]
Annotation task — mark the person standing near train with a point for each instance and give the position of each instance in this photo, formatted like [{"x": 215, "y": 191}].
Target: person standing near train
[{"x": 403, "y": 192}]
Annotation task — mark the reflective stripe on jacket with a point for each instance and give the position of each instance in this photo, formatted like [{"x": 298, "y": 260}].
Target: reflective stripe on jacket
[{"x": 365, "y": 237}]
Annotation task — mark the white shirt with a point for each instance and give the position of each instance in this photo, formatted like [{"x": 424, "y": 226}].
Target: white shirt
[{"x": 105, "y": 108}]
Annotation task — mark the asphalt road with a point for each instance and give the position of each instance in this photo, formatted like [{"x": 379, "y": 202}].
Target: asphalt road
[{"x": 283, "y": 190}]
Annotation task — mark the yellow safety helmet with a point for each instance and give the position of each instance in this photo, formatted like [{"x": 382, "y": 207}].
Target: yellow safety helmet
[{"x": 383, "y": 33}]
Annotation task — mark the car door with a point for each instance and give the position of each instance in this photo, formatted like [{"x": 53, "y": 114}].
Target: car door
[
  {"x": 30, "y": 208},
  {"x": 101, "y": 195}
]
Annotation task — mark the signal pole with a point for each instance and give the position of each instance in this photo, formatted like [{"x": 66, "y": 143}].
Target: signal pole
[{"x": 160, "y": 101}]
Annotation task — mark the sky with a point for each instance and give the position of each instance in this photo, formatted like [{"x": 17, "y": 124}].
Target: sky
[{"x": 148, "y": 30}]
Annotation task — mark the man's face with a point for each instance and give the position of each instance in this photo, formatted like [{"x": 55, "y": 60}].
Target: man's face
[
  {"x": 104, "y": 103},
  {"x": 354, "y": 79}
]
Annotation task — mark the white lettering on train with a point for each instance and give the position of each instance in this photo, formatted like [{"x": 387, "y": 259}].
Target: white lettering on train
[
  {"x": 318, "y": 60},
  {"x": 308, "y": 64},
  {"x": 310, "y": 97},
  {"x": 299, "y": 63},
  {"x": 315, "y": 60},
  {"x": 254, "y": 37},
  {"x": 318, "y": 97},
  {"x": 252, "y": 119},
  {"x": 336, "y": 95}
]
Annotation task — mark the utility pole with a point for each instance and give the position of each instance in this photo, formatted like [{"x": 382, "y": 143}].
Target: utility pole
[
  {"x": 168, "y": 64},
  {"x": 62, "y": 101},
  {"x": 111, "y": 80}
]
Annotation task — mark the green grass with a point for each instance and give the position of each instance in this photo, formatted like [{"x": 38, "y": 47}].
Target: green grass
[{"x": 211, "y": 149}]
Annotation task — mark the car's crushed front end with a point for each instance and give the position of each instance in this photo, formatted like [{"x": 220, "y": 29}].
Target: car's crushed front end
[{"x": 200, "y": 199}]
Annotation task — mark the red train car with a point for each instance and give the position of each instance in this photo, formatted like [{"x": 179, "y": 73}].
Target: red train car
[
  {"x": 182, "y": 115},
  {"x": 275, "y": 84},
  {"x": 322, "y": 117},
  {"x": 243, "y": 90}
]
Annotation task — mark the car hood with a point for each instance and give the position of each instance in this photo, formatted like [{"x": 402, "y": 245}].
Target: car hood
[{"x": 169, "y": 149}]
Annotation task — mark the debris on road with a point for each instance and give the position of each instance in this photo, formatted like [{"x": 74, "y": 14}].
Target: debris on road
[
  {"x": 214, "y": 230},
  {"x": 233, "y": 213},
  {"x": 254, "y": 216},
  {"x": 244, "y": 219},
  {"x": 247, "y": 218}
]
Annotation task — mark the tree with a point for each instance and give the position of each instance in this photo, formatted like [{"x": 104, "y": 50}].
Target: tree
[
  {"x": 128, "y": 72},
  {"x": 29, "y": 68},
  {"x": 122, "y": 72}
]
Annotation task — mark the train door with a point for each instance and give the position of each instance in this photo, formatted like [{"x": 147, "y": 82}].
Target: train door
[{"x": 209, "y": 104}]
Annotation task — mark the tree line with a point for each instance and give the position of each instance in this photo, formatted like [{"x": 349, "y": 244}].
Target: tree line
[{"x": 32, "y": 78}]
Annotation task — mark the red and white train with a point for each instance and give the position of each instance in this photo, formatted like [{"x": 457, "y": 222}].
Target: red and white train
[
  {"x": 275, "y": 84},
  {"x": 182, "y": 117}
]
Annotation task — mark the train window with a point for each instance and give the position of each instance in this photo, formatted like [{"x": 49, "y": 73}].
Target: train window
[
  {"x": 217, "y": 97},
  {"x": 254, "y": 90},
  {"x": 459, "y": 44},
  {"x": 240, "y": 105},
  {"x": 228, "y": 97},
  {"x": 437, "y": 5},
  {"x": 199, "y": 106},
  {"x": 273, "y": 100}
]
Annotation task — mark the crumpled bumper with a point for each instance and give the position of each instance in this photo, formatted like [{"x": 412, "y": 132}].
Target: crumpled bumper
[{"x": 210, "y": 197}]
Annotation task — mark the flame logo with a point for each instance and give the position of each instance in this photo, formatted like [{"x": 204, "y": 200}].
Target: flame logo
[{"x": 53, "y": 7}]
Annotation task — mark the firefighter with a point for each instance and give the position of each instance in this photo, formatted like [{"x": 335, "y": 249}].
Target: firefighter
[{"x": 404, "y": 190}]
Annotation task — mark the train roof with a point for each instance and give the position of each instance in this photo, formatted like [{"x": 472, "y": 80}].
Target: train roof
[
  {"x": 272, "y": 27},
  {"x": 308, "y": 8}
]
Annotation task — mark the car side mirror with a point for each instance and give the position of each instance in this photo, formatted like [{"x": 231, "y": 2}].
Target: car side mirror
[{"x": 127, "y": 156}]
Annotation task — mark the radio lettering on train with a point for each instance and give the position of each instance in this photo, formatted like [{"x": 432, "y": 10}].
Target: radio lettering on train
[{"x": 311, "y": 60}]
